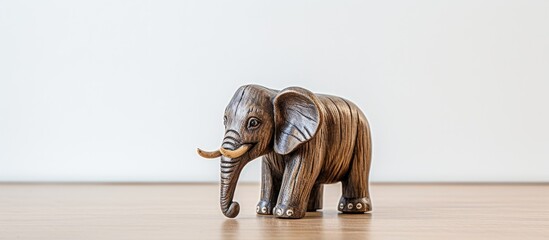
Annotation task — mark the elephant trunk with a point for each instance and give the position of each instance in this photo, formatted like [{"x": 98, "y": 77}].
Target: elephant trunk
[
  {"x": 231, "y": 153},
  {"x": 230, "y": 171}
]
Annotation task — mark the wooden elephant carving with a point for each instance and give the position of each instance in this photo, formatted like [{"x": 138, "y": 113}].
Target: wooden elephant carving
[{"x": 306, "y": 140}]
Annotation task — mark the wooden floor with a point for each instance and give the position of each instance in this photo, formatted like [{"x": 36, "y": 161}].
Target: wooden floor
[{"x": 180, "y": 211}]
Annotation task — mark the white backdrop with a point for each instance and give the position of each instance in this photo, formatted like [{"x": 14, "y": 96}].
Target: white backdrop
[{"x": 126, "y": 90}]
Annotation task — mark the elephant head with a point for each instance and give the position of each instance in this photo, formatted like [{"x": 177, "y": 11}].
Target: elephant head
[{"x": 259, "y": 121}]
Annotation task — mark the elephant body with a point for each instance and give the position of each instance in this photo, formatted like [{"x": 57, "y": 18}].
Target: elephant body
[{"x": 312, "y": 139}]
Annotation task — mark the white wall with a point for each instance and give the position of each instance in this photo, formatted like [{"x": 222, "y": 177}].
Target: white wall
[{"x": 126, "y": 90}]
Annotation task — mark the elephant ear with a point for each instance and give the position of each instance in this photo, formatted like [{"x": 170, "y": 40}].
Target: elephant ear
[{"x": 297, "y": 118}]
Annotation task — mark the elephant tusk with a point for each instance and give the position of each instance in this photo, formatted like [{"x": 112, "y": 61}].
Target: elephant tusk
[
  {"x": 236, "y": 153},
  {"x": 206, "y": 154}
]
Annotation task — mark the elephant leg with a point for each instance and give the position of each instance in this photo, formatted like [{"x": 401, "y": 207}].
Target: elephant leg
[
  {"x": 355, "y": 188},
  {"x": 270, "y": 186},
  {"x": 315, "y": 198},
  {"x": 299, "y": 177}
]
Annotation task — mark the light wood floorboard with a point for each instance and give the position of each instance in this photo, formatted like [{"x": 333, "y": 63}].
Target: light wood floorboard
[{"x": 191, "y": 211}]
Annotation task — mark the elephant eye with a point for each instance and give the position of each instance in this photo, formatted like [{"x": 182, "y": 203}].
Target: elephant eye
[{"x": 253, "y": 123}]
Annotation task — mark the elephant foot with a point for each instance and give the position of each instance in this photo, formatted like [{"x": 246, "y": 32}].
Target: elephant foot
[
  {"x": 283, "y": 211},
  {"x": 354, "y": 205},
  {"x": 264, "y": 208}
]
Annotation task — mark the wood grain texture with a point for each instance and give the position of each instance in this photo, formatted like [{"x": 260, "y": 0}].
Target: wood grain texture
[
  {"x": 180, "y": 211},
  {"x": 305, "y": 139}
]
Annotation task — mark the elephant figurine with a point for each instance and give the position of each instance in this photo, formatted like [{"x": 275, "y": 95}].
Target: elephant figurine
[{"x": 306, "y": 140}]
